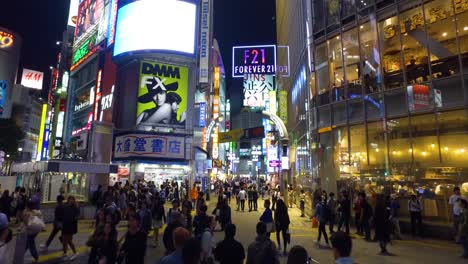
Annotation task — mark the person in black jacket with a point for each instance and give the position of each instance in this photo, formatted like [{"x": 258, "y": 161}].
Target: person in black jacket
[
  {"x": 255, "y": 198},
  {"x": 282, "y": 224},
  {"x": 133, "y": 249},
  {"x": 71, "y": 212},
  {"x": 344, "y": 208},
  {"x": 382, "y": 223},
  {"x": 58, "y": 221},
  {"x": 229, "y": 251},
  {"x": 366, "y": 214},
  {"x": 168, "y": 232},
  {"x": 225, "y": 214},
  {"x": 103, "y": 245}
]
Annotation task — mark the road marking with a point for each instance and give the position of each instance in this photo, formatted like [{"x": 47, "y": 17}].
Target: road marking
[{"x": 57, "y": 255}]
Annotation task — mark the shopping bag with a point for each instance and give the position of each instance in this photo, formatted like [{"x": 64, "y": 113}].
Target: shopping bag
[
  {"x": 35, "y": 225},
  {"x": 314, "y": 222}
]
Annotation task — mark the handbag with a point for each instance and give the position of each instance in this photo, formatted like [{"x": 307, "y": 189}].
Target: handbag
[
  {"x": 270, "y": 227},
  {"x": 35, "y": 225},
  {"x": 314, "y": 222}
]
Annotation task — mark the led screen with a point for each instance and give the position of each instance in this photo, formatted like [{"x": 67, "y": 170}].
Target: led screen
[{"x": 156, "y": 25}]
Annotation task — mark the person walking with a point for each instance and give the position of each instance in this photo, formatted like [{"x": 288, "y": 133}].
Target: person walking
[
  {"x": 229, "y": 250},
  {"x": 242, "y": 197},
  {"x": 322, "y": 215},
  {"x": 298, "y": 255},
  {"x": 366, "y": 215},
  {"x": 174, "y": 209},
  {"x": 344, "y": 208},
  {"x": 158, "y": 217},
  {"x": 71, "y": 213},
  {"x": 463, "y": 227},
  {"x": 357, "y": 214},
  {"x": 225, "y": 214},
  {"x": 7, "y": 247},
  {"x": 415, "y": 209},
  {"x": 332, "y": 205},
  {"x": 191, "y": 253},
  {"x": 342, "y": 246},
  {"x": 5, "y": 204},
  {"x": 395, "y": 215},
  {"x": 123, "y": 205},
  {"x": 200, "y": 222},
  {"x": 454, "y": 201},
  {"x": 274, "y": 198},
  {"x": 58, "y": 222},
  {"x": 267, "y": 218},
  {"x": 250, "y": 198},
  {"x": 194, "y": 195},
  {"x": 282, "y": 225},
  {"x": 103, "y": 245},
  {"x": 180, "y": 237},
  {"x": 32, "y": 224},
  {"x": 145, "y": 217},
  {"x": 133, "y": 249},
  {"x": 382, "y": 224},
  {"x": 262, "y": 250},
  {"x": 208, "y": 241},
  {"x": 302, "y": 202},
  {"x": 255, "y": 198}
]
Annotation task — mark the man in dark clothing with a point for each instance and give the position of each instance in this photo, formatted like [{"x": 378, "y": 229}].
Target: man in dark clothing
[
  {"x": 262, "y": 250},
  {"x": 134, "y": 248},
  {"x": 255, "y": 198},
  {"x": 200, "y": 222},
  {"x": 176, "y": 221},
  {"x": 250, "y": 197},
  {"x": 229, "y": 251},
  {"x": 344, "y": 209},
  {"x": 58, "y": 221},
  {"x": 366, "y": 214}
]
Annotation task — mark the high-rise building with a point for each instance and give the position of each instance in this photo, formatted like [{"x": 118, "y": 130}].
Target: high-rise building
[{"x": 384, "y": 90}]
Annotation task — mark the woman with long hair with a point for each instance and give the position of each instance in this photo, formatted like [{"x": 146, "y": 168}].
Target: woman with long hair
[
  {"x": 70, "y": 226},
  {"x": 103, "y": 245},
  {"x": 282, "y": 224}
]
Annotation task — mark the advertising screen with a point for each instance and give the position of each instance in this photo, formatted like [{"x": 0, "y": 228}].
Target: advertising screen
[
  {"x": 156, "y": 25},
  {"x": 162, "y": 95},
  {"x": 93, "y": 16},
  {"x": 73, "y": 13},
  {"x": 253, "y": 60},
  {"x": 3, "y": 89},
  {"x": 256, "y": 88},
  {"x": 32, "y": 79}
]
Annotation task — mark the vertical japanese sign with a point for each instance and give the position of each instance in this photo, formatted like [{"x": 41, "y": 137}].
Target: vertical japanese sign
[
  {"x": 283, "y": 106},
  {"x": 205, "y": 42},
  {"x": 162, "y": 95},
  {"x": 149, "y": 146},
  {"x": 202, "y": 121},
  {"x": 257, "y": 88}
]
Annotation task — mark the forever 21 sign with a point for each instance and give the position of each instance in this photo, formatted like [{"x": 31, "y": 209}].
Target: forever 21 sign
[{"x": 253, "y": 60}]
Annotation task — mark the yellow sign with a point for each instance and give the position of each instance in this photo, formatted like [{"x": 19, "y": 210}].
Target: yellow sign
[
  {"x": 162, "y": 95},
  {"x": 230, "y": 136},
  {"x": 41, "y": 132},
  {"x": 272, "y": 106},
  {"x": 6, "y": 40},
  {"x": 283, "y": 106}
]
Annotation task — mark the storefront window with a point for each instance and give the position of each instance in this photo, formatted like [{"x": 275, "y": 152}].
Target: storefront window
[
  {"x": 395, "y": 102},
  {"x": 399, "y": 144},
  {"x": 370, "y": 60},
  {"x": 336, "y": 68},
  {"x": 377, "y": 145},
  {"x": 414, "y": 50},
  {"x": 358, "y": 149},
  {"x": 424, "y": 140},
  {"x": 374, "y": 106},
  {"x": 351, "y": 58},
  {"x": 453, "y": 127},
  {"x": 390, "y": 48},
  {"x": 322, "y": 74},
  {"x": 342, "y": 162},
  {"x": 461, "y": 12},
  {"x": 442, "y": 41}
]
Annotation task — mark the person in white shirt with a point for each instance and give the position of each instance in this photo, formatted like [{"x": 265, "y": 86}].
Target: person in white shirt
[
  {"x": 454, "y": 201},
  {"x": 242, "y": 196},
  {"x": 208, "y": 241}
]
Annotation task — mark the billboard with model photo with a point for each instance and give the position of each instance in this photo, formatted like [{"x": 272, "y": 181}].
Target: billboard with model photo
[{"x": 162, "y": 95}]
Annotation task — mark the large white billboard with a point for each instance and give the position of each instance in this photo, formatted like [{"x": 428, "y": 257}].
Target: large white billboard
[
  {"x": 32, "y": 79},
  {"x": 156, "y": 25},
  {"x": 73, "y": 13}
]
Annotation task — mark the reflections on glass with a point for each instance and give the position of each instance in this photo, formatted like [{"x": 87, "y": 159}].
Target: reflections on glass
[
  {"x": 336, "y": 68},
  {"x": 399, "y": 151},
  {"x": 462, "y": 19},
  {"x": 377, "y": 145},
  {"x": 342, "y": 161},
  {"x": 358, "y": 147},
  {"x": 322, "y": 76},
  {"x": 441, "y": 36},
  {"x": 351, "y": 59},
  {"x": 424, "y": 139},
  {"x": 370, "y": 61},
  {"x": 391, "y": 52},
  {"x": 453, "y": 139}
]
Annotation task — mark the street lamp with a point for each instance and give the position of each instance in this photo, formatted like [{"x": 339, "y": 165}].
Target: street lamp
[{"x": 20, "y": 149}]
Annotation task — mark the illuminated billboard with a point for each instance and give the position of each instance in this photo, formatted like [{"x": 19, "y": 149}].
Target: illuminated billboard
[
  {"x": 32, "y": 79},
  {"x": 93, "y": 17},
  {"x": 256, "y": 89},
  {"x": 253, "y": 60},
  {"x": 73, "y": 13},
  {"x": 418, "y": 97},
  {"x": 162, "y": 95},
  {"x": 3, "y": 90},
  {"x": 171, "y": 28},
  {"x": 6, "y": 40}
]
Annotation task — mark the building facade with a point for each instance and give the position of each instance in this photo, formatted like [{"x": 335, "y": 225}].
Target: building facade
[{"x": 388, "y": 94}]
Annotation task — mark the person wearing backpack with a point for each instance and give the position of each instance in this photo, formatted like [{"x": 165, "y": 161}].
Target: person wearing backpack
[{"x": 322, "y": 213}]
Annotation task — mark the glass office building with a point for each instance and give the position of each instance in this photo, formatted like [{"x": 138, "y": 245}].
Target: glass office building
[{"x": 388, "y": 93}]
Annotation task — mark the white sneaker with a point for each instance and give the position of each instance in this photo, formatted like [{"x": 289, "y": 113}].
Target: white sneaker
[
  {"x": 72, "y": 257},
  {"x": 43, "y": 246}
]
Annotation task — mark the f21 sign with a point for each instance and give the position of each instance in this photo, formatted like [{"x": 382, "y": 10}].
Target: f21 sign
[{"x": 253, "y": 60}]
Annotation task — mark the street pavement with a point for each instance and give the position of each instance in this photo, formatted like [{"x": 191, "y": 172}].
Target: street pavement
[{"x": 405, "y": 251}]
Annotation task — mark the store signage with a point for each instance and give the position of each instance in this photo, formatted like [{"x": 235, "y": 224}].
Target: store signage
[
  {"x": 106, "y": 101},
  {"x": 253, "y": 60},
  {"x": 6, "y": 40},
  {"x": 418, "y": 97},
  {"x": 272, "y": 102},
  {"x": 112, "y": 21},
  {"x": 274, "y": 163},
  {"x": 257, "y": 150},
  {"x": 283, "y": 106},
  {"x": 174, "y": 25},
  {"x": 73, "y": 12},
  {"x": 86, "y": 127},
  {"x": 202, "y": 118},
  {"x": 149, "y": 146},
  {"x": 230, "y": 136},
  {"x": 82, "y": 52},
  {"x": 93, "y": 19},
  {"x": 3, "y": 92},
  {"x": 205, "y": 42},
  {"x": 41, "y": 132},
  {"x": 285, "y": 163},
  {"x": 438, "y": 98},
  {"x": 254, "y": 133},
  {"x": 256, "y": 89},
  {"x": 65, "y": 78},
  {"x": 81, "y": 106},
  {"x": 32, "y": 79},
  {"x": 283, "y": 68}
]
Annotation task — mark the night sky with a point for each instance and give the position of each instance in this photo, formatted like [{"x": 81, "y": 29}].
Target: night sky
[{"x": 41, "y": 23}]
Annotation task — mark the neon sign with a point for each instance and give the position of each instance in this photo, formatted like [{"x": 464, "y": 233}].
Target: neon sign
[
  {"x": 6, "y": 40},
  {"x": 253, "y": 60},
  {"x": 84, "y": 51}
]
